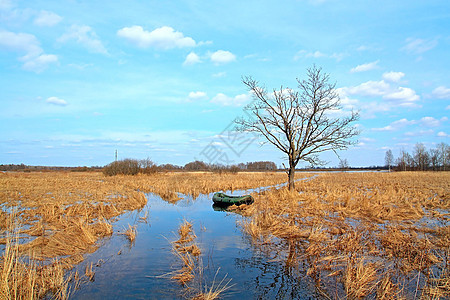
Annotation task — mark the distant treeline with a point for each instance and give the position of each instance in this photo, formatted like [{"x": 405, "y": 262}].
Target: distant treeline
[
  {"x": 146, "y": 166},
  {"x": 133, "y": 166},
  {"x": 421, "y": 159},
  {"x": 436, "y": 159},
  {"x": 27, "y": 168}
]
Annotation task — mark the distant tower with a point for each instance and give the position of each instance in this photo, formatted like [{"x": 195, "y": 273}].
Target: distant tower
[{"x": 116, "y": 154}]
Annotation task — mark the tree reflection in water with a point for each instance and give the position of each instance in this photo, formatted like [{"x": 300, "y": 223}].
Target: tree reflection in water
[{"x": 278, "y": 274}]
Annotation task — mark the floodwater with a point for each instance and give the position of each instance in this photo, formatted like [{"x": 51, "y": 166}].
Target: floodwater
[{"x": 140, "y": 271}]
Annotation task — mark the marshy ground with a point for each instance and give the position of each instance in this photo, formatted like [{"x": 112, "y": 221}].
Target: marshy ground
[{"x": 349, "y": 235}]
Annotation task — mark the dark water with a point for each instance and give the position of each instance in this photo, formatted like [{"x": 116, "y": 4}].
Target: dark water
[{"x": 124, "y": 271}]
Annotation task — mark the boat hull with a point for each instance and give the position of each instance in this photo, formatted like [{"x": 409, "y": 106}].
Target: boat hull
[{"x": 226, "y": 200}]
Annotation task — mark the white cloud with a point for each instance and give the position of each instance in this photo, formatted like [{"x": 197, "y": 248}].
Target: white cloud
[
  {"x": 222, "y": 57},
  {"x": 56, "y": 101},
  {"x": 385, "y": 128},
  {"x": 161, "y": 38},
  {"x": 317, "y": 54},
  {"x": 220, "y": 74},
  {"x": 191, "y": 59},
  {"x": 363, "y": 48},
  {"x": 34, "y": 58},
  {"x": 419, "y": 46},
  {"x": 425, "y": 122},
  {"x": 225, "y": 100},
  {"x": 396, "y": 125},
  {"x": 393, "y": 94},
  {"x": 22, "y": 42},
  {"x": 365, "y": 67},
  {"x": 393, "y": 76},
  {"x": 419, "y": 133},
  {"x": 369, "y": 88},
  {"x": 403, "y": 97},
  {"x": 441, "y": 92},
  {"x": 85, "y": 36},
  {"x": 431, "y": 122},
  {"x": 39, "y": 63},
  {"x": 47, "y": 18},
  {"x": 448, "y": 107},
  {"x": 403, "y": 122},
  {"x": 197, "y": 95},
  {"x": 442, "y": 134}
]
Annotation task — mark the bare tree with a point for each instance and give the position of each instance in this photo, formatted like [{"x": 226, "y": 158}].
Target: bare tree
[
  {"x": 300, "y": 123},
  {"x": 434, "y": 159},
  {"x": 444, "y": 156},
  {"x": 421, "y": 157},
  {"x": 343, "y": 164},
  {"x": 389, "y": 159}
]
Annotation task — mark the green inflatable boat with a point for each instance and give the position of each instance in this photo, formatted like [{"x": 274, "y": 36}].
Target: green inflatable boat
[{"x": 225, "y": 200}]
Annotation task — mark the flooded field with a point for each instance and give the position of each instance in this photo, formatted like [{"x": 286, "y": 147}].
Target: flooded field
[
  {"x": 340, "y": 235},
  {"x": 142, "y": 269}
]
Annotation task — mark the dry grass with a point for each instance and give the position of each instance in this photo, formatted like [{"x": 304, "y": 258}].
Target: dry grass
[
  {"x": 64, "y": 214},
  {"x": 89, "y": 272},
  {"x": 215, "y": 290},
  {"x": 186, "y": 249},
  {"x": 195, "y": 183},
  {"x": 130, "y": 233},
  {"x": 384, "y": 235},
  {"x": 25, "y": 278}
]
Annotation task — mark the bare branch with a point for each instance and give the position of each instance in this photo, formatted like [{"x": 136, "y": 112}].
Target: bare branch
[{"x": 298, "y": 122}]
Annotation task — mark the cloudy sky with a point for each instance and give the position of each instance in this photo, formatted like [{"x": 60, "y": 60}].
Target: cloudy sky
[{"x": 163, "y": 79}]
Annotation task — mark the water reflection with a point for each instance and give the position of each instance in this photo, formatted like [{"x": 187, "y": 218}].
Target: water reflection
[{"x": 124, "y": 272}]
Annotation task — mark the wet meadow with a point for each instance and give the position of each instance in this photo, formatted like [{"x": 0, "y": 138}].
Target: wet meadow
[{"x": 78, "y": 235}]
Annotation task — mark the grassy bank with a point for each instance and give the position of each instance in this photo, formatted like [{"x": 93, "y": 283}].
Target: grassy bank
[{"x": 377, "y": 235}]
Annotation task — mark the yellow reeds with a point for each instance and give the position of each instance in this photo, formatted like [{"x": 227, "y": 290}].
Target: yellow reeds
[
  {"x": 66, "y": 213},
  {"x": 24, "y": 278},
  {"x": 215, "y": 290},
  {"x": 89, "y": 272},
  {"x": 359, "y": 228},
  {"x": 186, "y": 250},
  {"x": 130, "y": 233},
  {"x": 360, "y": 278}
]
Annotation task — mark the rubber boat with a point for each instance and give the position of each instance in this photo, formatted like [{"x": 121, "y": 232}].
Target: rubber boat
[{"x": 225, "y": 200}]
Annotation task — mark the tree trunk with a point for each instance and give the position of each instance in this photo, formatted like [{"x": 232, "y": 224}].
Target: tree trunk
[{"x": 291, "y": 175}]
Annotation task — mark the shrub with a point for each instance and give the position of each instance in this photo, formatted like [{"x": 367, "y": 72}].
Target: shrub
[
  {"x": 122, "y": 167},
  {"x": 147, "y": 166}
]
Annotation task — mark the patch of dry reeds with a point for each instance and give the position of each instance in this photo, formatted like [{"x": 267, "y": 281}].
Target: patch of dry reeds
[
  {"x": 215, "y": 290},
  {"x": 25, "y": 278},
  {"x": 186, "y": 249},
  {"x": 89, "y": 272},
  {"x": 130, "y": 233},
  {"x": 359, "y": 229}
]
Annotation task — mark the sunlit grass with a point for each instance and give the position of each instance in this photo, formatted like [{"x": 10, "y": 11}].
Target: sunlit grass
[
  {"x": 361, "y": 228},
  {"x": 63, "y": 215}
]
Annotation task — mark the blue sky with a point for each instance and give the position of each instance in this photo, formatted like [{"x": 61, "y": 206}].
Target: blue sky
[{"x": 162, "y": 79}]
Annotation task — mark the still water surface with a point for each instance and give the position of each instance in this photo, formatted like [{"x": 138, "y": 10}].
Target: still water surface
[{"x": 124, "y": 271}]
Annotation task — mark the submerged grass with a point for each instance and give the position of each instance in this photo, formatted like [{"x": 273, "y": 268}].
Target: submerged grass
[
  {"x": 383, "y": 235},
  {"x": 190, "y": 275},
  {"x": 130, "y": 233},
  {"x": 187, "y": 251}
]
